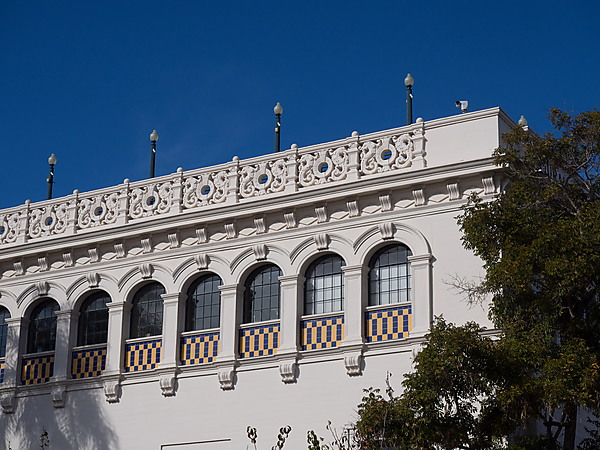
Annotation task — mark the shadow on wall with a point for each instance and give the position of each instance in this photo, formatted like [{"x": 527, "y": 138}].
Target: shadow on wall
[{"x": 82, "y": 424}]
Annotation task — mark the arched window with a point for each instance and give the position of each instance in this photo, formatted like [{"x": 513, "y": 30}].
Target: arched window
[
  {"x": 203, "y": 304},
  {"x": 324, "y": 287},
  {"x": 389, "y": 275},
  {"x": 93, "y": 320},
  {"x": 42, "y": 327},
  {"x": 4, "y": 314},
  {"x": 147, "y": 311},
  {"x": 262, "y": 294}
]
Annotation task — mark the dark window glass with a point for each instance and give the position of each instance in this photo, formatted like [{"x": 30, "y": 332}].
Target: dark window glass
[
  {"x": 93, "y": 320},
  {"x": 262, "y": 294},
  {"x": 4, "y": 314},
  {"x": 147, "y": 311},
  {"x": 389, "y": 275},
  {"x": 42, "y": 328},
  {"x": 324, "y": 286},
  {"x": 203, "y": 304}
]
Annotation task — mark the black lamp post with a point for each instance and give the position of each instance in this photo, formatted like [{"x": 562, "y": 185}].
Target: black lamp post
[
  {"x": 153, "y": 139},
  {"x": 408, "y": 82},
  {"x": 50, "y": 179},
  {"x": 277, "y": 110}
]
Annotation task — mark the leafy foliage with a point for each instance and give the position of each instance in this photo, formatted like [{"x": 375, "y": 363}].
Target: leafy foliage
[
  {"x": 448, "y": 401},
  {"x": 540, "y": 245}
]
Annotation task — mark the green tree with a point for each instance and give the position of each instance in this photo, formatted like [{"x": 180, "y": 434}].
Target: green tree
[
  {"x": 448, "y": 402},
  {"x": 540, "y": 244}
]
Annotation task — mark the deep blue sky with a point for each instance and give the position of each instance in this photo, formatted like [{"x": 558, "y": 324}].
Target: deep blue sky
[{"x": 89, "y": 81}]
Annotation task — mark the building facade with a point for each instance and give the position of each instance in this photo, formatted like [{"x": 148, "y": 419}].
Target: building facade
[{"x": 171, "y": 313}]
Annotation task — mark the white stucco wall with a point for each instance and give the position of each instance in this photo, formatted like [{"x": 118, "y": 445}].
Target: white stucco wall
[{"x": 352, "y": 216}]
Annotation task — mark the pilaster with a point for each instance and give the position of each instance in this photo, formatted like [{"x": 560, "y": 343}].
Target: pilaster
[
  {"x": 354, "y": 303},
  {"x": 422, "y": 310},
  {"x": 231, "y": 312},
  {"x": 64, "y": 324},
  {"x": 16, "y": 329},
  {"x": 118, "y": 313}
]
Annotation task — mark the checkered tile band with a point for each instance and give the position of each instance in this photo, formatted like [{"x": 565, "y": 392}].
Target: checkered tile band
[
  {"x": 1, "y": 371},
  {"x": 88, "y": 363},
  {"x": 37, "y": 369},
  {"x": 326, "y": 332},
  {"x": 199, "y": 348},
  {"x": 259, "y": 341},
  {"x": 388, "y": 324},
  {"x": 142, "y": 355}
]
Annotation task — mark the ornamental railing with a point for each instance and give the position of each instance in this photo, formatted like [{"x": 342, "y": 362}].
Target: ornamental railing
[{"x": 237, "y": 181}]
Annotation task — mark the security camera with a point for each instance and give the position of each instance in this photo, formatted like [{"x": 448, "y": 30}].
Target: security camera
[{"x": 463, "y": 105}]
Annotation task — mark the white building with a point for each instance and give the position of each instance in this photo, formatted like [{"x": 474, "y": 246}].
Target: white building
[{"x": 173, "y": 312}]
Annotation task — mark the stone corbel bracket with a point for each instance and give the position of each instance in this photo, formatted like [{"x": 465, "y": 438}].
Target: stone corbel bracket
[
  {"x": 58, "y": 394},
  {"x": 353, "y": 359},
  {"x": 112, "y": 389},
  {"x": 353, "y": 364},
  {"x": 227, "y": 378},
  {"x": 167, "y": 383},
  {"x": 7, "y": 400},
  {"x": 287, "y": 370}
]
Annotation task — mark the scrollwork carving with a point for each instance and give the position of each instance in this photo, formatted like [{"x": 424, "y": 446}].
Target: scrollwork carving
[
  {"x": 150, "y": 200},
  {"x": 205, "y": 189},
  {"x": 263, "y": 178},
  {"x": 386, "y": 154},
  {"x": 323, "y": 166},
  {"x": 9, "y": 227},
  {"x": 98, "y": 210},
  {"x": 48, "y": 220}
]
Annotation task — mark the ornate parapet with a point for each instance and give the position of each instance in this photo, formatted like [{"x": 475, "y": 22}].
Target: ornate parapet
[{"x": 290, "y": 171}]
